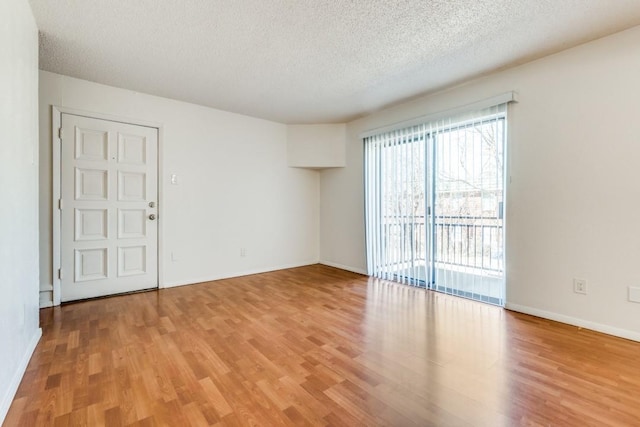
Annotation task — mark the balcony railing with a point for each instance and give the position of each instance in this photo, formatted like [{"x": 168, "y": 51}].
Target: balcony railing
[{"x": 462, "y": 241}]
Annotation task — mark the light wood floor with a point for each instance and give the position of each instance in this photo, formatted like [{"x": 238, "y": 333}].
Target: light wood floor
[{"x": 319, "y": 346}]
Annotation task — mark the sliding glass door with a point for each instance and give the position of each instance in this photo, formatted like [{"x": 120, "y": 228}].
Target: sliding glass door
[
  {"x": 435, "y": 198},
  {"x": 397, "y": 238},
  {"x": 467, "y": 216}
]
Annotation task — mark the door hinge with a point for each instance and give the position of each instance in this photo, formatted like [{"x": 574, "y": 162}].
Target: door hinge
[
  {"x": 60, "y": 273},
  {"x": 60, "y": 133},
  {"x": 60, "y": 204}
]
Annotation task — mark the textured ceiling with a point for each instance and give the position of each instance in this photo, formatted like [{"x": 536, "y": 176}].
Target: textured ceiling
[{"x": 309, "y": 61}]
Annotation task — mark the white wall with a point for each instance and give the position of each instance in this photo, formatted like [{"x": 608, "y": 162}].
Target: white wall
[
  {"x": 234, "y": 189},
  {"x": 316, "y": 146},
  {"x": 19, "y": 331},
  {"x": 574, "y": 198}
]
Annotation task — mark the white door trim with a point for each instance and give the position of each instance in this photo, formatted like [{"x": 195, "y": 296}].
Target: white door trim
[{"x": 56, "y": 121}]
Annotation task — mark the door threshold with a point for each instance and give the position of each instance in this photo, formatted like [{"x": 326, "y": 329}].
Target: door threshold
[{"x": 108, "y": 296}]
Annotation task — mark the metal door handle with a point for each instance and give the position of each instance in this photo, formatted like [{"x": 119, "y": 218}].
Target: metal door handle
[{"x": 152, "y": 217}]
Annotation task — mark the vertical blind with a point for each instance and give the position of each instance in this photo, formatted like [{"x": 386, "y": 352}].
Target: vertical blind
[
  {"x": 396, "y": 192},
  {"x": 434, "y": 203}
]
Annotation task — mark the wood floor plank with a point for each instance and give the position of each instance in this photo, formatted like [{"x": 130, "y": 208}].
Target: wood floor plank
[{"x": 319, "y": 346}]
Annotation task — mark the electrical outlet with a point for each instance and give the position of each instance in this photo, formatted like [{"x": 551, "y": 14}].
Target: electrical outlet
[
  {"x": 580, "y": 286},
  {"x": 243, "y": 252}
]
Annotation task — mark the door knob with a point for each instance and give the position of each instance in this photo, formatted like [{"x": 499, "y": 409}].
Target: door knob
[{"x": 152, "y": 217}]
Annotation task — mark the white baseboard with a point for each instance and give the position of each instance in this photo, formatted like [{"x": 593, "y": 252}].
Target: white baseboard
[
  {"x": 46, "y": 304},
  {"x": 587, "y": 324},
  {"x": 344, "y": 267},
  {"x": 10, "y": 391},
  {"x": 195, "y": 280},
  {"x": 46, "y": 298}
]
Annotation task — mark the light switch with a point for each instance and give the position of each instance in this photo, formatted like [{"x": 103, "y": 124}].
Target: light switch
[{"x": 174, "y": 179}]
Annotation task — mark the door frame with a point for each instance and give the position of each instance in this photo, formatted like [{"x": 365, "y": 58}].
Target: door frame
[{"x": 56, "y": 143}]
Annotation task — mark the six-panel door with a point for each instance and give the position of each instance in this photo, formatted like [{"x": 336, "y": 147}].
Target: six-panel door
[{"x": 109, "y": 194}]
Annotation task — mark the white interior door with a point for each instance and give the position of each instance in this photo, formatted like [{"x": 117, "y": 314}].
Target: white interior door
[{"x": 109, "y": 194}]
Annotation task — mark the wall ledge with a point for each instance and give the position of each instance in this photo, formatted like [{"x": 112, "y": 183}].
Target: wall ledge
[
  {"x": 317, "y": 168},
  {"x": 316, "y": 146}
]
